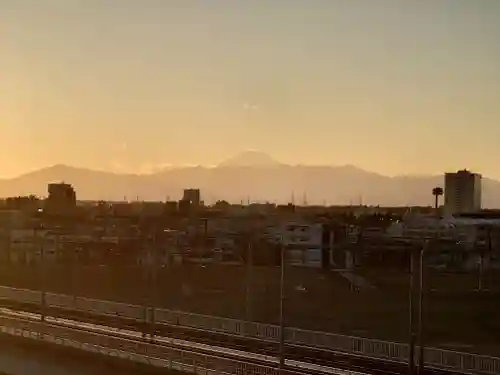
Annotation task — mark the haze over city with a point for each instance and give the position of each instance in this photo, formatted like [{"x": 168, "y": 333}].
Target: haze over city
[
  {"x": 279, "y": 187},
  {"x": 133, "y": 86}
]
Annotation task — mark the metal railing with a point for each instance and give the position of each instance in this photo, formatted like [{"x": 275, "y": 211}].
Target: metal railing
[
  {"x": 439, "y": 358},
  {"x": 134, "y": 350}
]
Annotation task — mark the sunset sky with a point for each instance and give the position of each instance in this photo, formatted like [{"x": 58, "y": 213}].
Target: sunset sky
[{"x": 397, "y": 87}]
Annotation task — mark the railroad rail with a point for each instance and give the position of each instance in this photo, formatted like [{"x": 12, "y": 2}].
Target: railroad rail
[
  {"x": 151, "y": 353},
  {"x": 294, "y": 337}
]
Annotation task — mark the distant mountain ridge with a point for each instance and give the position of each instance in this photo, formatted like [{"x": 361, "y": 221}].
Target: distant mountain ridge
[
  {"x": 250, "y": 158},
  {"x": 253, "y": 176}
]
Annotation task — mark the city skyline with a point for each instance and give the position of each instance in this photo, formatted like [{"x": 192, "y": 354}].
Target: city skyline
[
  {"x": 127, "y": 86},
  {"x": 268, "y": 181}
]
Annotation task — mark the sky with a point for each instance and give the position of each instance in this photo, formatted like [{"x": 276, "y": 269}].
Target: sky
[{"x": 397, "y": 87}]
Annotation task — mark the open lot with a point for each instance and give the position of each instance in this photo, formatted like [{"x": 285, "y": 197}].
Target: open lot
[{"x": 457, "y": 316}]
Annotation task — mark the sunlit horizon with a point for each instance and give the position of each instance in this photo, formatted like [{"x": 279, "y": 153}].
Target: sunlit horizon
[
  {"x": 135, "y": 86},
  {"x": 153, "y": 169}
]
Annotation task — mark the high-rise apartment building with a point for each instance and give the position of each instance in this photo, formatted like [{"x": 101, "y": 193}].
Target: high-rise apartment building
[{"x": 462, "y": 192}]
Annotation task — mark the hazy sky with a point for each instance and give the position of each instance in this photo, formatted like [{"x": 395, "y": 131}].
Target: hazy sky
[{"x": 388, "y": 85}]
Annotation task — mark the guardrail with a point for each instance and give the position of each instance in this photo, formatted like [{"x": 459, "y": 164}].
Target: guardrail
[
  {"x": 377, "y": 349},
  {"x": 139, "y": 351},
  {"x": 437, "y": 358},
  {"x": 466, "y": 363},
  {"x": 136, "y": 351}
]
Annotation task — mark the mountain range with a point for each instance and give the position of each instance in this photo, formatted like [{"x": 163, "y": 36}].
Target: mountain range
[{"x": 251, "y": 175}]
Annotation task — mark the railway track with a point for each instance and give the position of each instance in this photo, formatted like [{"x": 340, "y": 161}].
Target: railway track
[
  {"x": 316, "y": 356},
  {"x": 125, "y": 340}
]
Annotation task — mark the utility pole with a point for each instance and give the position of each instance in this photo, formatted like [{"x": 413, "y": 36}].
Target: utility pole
[
  {"x": 421, "y": 358},
  {"x": 74, "y": 262},
  {"x": 44, "y": 286},
  {"x": 145, "y": 284},
  {"x": 421, "y": 306},
  {"x": 480, "y": 273},
  {"x": 249, "y": 281},
  {"x": 154, "y": 285},
  {"x": 282, "y": 310},
  {"x": 412, "y": 343},
  {"x": 481, "y": 259}
]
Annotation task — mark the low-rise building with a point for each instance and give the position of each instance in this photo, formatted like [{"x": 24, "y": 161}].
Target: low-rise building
[{"x": 306, "y": 244}]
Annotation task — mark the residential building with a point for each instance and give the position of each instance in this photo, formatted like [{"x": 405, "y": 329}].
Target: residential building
[
  {"x": 192, "y": 196},
  {"x": 462, "y": 192},
  {"x": 306, "y": 244},
  {"x": 470, "y": 230}
]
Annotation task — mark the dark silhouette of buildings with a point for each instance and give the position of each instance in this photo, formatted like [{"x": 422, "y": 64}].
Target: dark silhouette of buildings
[
  {"x": 61, "y": 199},
  {"x": 192, "y": 196}
]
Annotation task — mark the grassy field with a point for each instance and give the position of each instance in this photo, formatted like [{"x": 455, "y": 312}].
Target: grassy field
[{"x": 456, "y": 316}]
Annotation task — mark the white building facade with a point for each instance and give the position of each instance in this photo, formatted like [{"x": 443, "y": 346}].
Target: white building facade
[
  {"x": 304, "y": 242},
  {"x": 467, "y": 230}
]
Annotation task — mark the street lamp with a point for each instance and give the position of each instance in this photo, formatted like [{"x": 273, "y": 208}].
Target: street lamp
[
  {"x": 437, "y": 192},
  {"x": 414, "y": 338},
  {"x": 417, "y": 337}
]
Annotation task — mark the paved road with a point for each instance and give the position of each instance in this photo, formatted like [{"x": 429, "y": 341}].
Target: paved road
[{"x": 19, "y": 358}]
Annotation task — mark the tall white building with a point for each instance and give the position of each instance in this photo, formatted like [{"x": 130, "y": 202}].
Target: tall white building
[{"x": 462, "y": 192}]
